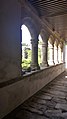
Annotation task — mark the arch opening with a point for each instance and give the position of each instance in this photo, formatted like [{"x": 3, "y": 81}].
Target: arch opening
[
  {"x": 40, "y": 50},
  {"x": 26, "y": 48}
]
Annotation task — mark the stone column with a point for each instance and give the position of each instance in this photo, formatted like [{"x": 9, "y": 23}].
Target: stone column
[
  {"x": 34, "y": 58},
  {"x": 61, "y": 55},
  {"x": 52, "y": 54},
  {"x": 44, "y": 58},
  {"x": 64, "y": 52},
  {"x": 44, "y": 54},
  {"x": 57, "y": 55}
]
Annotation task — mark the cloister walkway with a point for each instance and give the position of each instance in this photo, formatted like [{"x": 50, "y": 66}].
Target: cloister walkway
[{"x": 49, "y": 103}]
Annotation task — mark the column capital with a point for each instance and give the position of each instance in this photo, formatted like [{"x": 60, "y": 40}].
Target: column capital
[
  {"x": 44, "y": 44},
  {"x": 52, "y": 47},
  {"x": 34, "y": 42}
]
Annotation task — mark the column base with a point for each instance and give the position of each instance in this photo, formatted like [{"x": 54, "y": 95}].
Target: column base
[
  {"x": 56, "y": 62},
  {"x": 34, "y": 67},
  {"x": 44, "y": 64},
  {"x": 51, "y": 63}
]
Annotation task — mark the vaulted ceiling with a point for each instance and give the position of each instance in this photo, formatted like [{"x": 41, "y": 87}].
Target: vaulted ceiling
[{"x": 55, "y": 12}]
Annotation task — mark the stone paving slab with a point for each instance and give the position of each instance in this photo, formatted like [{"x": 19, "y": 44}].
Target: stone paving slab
[
  {"x": 50, "y": 113},
  {"x": 46, "y": 97},
  {"x": 61, "y": 106},
  {"x": 49, "y": 103},
  {"x": 23, "y": 114}
]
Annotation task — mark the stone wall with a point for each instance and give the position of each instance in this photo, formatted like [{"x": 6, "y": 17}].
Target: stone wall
[
  {"x": 12, "y": 94},
  {"x": 12, "y": 15},
  {"x": 10, "y": 26}
]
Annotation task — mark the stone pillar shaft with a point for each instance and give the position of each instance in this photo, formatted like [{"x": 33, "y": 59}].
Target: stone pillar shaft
[
  {"x": 44, "y": 54},
  {"x": 61, "y": 55},
  {"x": 52, "y": 55},
  {"x": 34, "y": 58},
  {"x": 57, "y": 55}
]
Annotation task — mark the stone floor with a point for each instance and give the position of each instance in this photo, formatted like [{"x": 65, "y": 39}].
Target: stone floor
[{"x": 49, "y": 103}]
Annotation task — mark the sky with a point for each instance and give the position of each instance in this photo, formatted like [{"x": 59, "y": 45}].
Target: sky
[{"x": 26, "y": 36}]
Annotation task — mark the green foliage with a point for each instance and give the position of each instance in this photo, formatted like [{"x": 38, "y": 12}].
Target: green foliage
[
  {"x": 29, "y": 53},
  {"x": 26, "y": 63}
]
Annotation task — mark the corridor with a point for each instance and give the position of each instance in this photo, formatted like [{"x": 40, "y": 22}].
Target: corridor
[
  {"x": 49, "y": 103},
  {"x": 29, "y": 88}
]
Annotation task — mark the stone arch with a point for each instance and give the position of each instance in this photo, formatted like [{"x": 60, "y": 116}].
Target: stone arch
[
  {"x": 44, "y": 34},
  {"x": 44, "y": 51},
  {"x": 31, "y": 25},
  {"x": 56, "y": 42},
  {"x": 51, "y": 40}
]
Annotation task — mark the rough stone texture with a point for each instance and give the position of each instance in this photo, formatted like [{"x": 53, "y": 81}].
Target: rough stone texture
[
  {"x": 28, "y": 115},
  {"x": 14, "y": 94},
  {"x": 50, "y": 113},
  {"x": 61, "y": 106},
  {"x": 44, "y": 97},
  {"x": 53, "y": 108},
  {"x": 10, "y": 57},
  {"x": 12, "y": 16}
]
